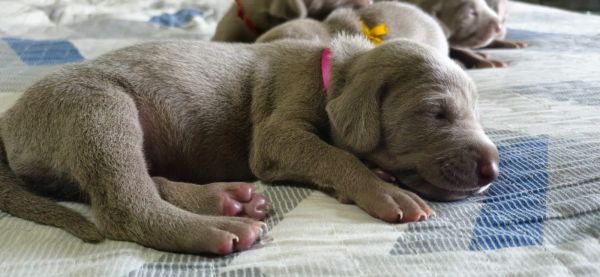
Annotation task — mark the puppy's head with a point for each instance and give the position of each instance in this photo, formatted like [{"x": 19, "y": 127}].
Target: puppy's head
[
  {"x": 411, "y": 111},
  {"x": 270, "y": 13},
  {"x": 501, "y": 8},
  {"x": 467, "y": 23}
]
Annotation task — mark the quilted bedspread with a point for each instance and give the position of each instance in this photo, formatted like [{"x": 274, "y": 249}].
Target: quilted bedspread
[{"x": 540, "y": 218}]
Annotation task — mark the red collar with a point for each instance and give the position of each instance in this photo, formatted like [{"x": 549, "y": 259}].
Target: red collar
[
  {"x": 326, "y": 68},
  {"x": 247, "y": 21}
]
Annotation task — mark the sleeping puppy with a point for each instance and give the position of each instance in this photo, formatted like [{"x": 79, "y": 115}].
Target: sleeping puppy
[
  {"x": 246, "y": 20},
  {"x": 468, "y": 24},
  {"x": 501, "y": 8},
  {"x": 134, "y": 131},
  {"x": 476, "y": 59},
  {"x": 395, "y": 20}
]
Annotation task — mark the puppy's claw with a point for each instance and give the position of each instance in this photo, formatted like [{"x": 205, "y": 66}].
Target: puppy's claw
[
  {"x": 400, "y": 216},
  {"x": 236, "y": 239}
]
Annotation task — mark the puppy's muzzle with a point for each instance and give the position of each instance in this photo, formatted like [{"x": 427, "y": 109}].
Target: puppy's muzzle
[{"x": 467, "y": 170}]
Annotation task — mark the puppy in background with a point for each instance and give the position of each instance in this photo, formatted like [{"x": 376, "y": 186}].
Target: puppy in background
[
  {"x": 378, "y": 22},
  {"x": 246, "y": 20},
  {"x": 501, "y": 8},
  {"x": 476, "y": 59},
  {"x": 468, "y": 24}
]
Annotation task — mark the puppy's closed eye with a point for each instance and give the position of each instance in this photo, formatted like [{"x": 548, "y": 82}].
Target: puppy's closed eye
[
  {"x": 437, "y": 108},
  {"x": 472, "y": 13},
  {"x": 435, "y": 114}
]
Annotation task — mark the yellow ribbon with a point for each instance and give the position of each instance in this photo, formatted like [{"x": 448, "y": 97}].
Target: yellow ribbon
[{"x": 374, "y": 34}]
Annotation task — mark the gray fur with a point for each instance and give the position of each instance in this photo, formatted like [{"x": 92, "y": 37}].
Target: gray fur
[
  {"x": 501, "y": 8},
  {"x": 135, "y": 129},
  {"x": 466, "y": 32},
  {"x": 402, "y": 21},
  {"x": 467, "y": 23},
  {"x": 266, "y": 14}
]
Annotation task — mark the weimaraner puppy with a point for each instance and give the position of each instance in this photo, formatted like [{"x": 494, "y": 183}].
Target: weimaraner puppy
[
  {"x": 468, "y": 24},
  {"x": 379, "y": 22},
  {"x": 501, "y": 8},
  {"x": 246, "y": 20},
  {"x": 476, "y": 59},
  {"x": 135, "y": 131}
]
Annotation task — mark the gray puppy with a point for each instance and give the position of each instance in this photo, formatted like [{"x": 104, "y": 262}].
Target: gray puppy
[
  {"x": 501, "y": 8},
  {"x": 246, "y": 20},
  {"x": 135, "y": 130},
  {"x": 468, "y": 24},
  {"x": 476, "y": 59},
  {"x": 399, "y": 21}
]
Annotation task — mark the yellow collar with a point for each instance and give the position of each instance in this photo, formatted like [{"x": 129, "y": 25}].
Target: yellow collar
[{"x": 374, "y": 34}]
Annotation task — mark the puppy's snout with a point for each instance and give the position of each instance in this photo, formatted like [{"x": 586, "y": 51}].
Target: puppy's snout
[
  {"x": 488, "y": 167},
  {"x": 496, "y": 27},
  {"x": 488, "y": 171}
]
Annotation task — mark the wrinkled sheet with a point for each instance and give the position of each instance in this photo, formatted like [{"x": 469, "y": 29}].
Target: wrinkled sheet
[{"x": 540, "y": 218}]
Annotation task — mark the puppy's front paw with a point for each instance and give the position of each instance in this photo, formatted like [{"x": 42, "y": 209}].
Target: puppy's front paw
[
  {"x": 509, "y": 44},
  {"x": 485, "y": 61},
  {"x": 393, "y": 204}
]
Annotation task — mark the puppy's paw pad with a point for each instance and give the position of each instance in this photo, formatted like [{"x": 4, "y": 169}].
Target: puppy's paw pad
[
  {"x": 240, "y": 191},
  {"x": 257, "y": 207},
  {"x": 231, "y": 207},
  {"x": 239, "y": 199},
  {"x": 234, "y": 234},
  {"x": 246, "y": 232}
]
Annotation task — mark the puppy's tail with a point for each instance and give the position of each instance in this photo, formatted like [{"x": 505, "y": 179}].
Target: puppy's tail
[{"x": 17, "y": 201}]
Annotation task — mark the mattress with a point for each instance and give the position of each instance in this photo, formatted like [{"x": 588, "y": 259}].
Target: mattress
[{"x": 540, "y": 218}]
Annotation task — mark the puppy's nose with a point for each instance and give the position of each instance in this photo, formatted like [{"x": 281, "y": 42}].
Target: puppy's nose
[
  {"x": 496, "y": 27},
  {"x": 488, "y": 171}
]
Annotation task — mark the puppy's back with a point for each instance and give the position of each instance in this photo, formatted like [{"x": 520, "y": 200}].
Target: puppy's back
[
  {"x": 304, "y": 29},
  {"x": 406, "y": 21}
]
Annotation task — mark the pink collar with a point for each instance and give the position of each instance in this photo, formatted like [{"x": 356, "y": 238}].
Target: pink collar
[
  {"x": 326, "y": 68},
  {"x": 247, "y": 21}
]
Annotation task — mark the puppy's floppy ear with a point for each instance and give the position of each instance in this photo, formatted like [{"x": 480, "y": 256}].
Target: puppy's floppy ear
[
  {"x": 288, "y": 9},
  {"x": 354, "y": 114}
]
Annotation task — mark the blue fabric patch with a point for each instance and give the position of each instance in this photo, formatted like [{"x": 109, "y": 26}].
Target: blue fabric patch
[
  {"x": 177, "y": 19},
  {"x": 44, "y": 52},
  {"x": 510, "y": 214},
  {"x": 514, "y": 211}
]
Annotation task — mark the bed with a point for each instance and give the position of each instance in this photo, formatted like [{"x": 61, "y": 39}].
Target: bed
[{"x": 540, "y": 218}]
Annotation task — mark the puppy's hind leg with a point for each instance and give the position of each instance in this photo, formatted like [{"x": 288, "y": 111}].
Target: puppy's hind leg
[
  {"x": 16, "y": 200},
  {"x": 229, "y": 199},
  {"x": 108, "y": 162}
]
